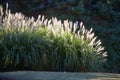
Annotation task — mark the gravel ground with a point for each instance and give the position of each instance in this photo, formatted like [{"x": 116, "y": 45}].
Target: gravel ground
[{"x": 36, "y": 75}]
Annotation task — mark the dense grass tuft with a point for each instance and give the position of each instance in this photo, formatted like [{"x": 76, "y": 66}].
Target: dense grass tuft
[{"x": 44, "y": 44}]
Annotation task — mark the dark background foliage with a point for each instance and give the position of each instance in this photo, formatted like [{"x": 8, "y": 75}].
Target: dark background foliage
[{"x": 101, "y": 15}]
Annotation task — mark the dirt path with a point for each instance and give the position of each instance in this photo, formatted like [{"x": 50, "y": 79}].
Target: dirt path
[{"x": 32, "y": 75}]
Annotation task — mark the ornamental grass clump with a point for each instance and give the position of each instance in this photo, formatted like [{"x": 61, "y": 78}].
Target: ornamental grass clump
[{"x": 50, "y": 45}]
